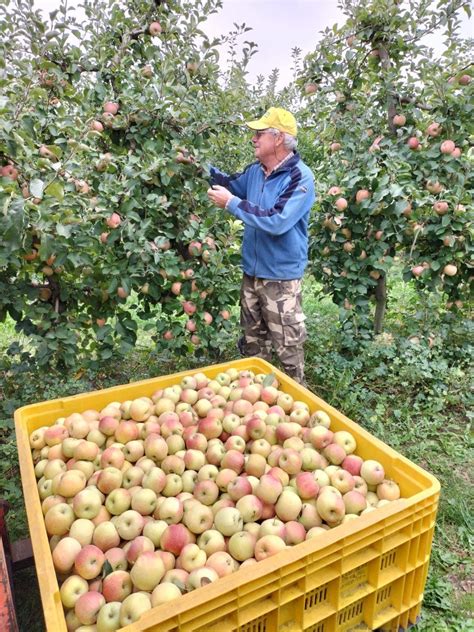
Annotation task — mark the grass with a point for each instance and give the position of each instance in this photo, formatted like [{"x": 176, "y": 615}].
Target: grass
[{"x": 414, "y": 395}]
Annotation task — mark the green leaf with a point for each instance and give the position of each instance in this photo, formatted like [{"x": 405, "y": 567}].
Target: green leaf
[
  {"x": 64, "y": 230},
  {"x": 55, "y": 189},
  {"x": 36, "y": 188},
  {"x": 107, "y": 569},
  {"x": 269, "y": 379}
]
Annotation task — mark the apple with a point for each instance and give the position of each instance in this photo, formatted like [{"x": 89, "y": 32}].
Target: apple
[
  {"x": 268, "y": 545},
  {"x": 290, "y": 461},
  {"x": 147, "y": 571},
  {"x": 441, "y": 207},
  {"x": 388, "y": 490},
  {"x": 144, "y": 501},
  {"x": 211, "y": 541},
  {"x": 109, "y": 478},
  {"x": 399, "y": 120},
  {"x": 269, "y": 489},
  {"x": 306, "y": 485},
  {"x": 69, "y": 483},
  {"x": 129, "y": 524},
  {"x": 309, "y": 516},
  {"x": 55, "y": 435},
  {"x": 255, "y": 463},
  {"x": 354, "y": 502},
  {"x": 346, "y": 440},
  {"x": 433, "y": 129},
  {"x": 413, "y": 143},
  {"x": 311, "y": 88},
  {"x": 288, "y": 505},
  {"x": 113, "y": 455},
  {"x": 111, "y": 108},
  {"x": 222, "y": 563},
  {"x": 300, "y": 416},
  {"x": 360, "y": 485},
  {"x": 372, "y": 472},
  {"x": 208, "y": 472},
  {"x": 295, "y": 532},
  {"x": 320, "y": 418},
  {"x": 108, "y": 619},
  {"x": 334, "y": 453},
  {"x": 164, "y": 592},
  {"x": 447, "y": 147},
  {"x": 417, "y": 270},
  {"x": 175, "y": 537},
  {"x": 200, "y": 577},
  {"x": 228, "y": 521},
  {"x": 134, "y": 474},
  {"x": 352, "y": 463},
  {"x": 89, "y": 561},
  {"x": 102, "y": 516},
  {"x": 450, "y": 270},
  {"x": 330, "y": 506},
  {"x": 71, "y": 589},
  {"x": 106, "y": 536},
  {"x": 154, "y": 29},
  {"x": 320, "y": 437},
  {"x": 117, "y": 586},
  {"x": 82, "y": 530},
  {"x": 250, "y": 508},
  {"x": 59, "y": 518},
  {"x": 316, "y": 532},
  {"x": 133, "y": 607},
  {"x": 362, "y": 195},
  {"x": 85, "y": 450},
  {"x": 87, "y": 607},
  {"x": 191, "y": 557},
  {"x": 239, "y": 487},
  {"x": 65, "y": 553}
]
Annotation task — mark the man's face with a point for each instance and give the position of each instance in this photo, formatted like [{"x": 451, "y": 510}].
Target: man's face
[{"x": 264, "y": 142}]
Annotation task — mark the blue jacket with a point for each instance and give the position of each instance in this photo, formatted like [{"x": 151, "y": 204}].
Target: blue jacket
[{"x": 275, "y": 211}]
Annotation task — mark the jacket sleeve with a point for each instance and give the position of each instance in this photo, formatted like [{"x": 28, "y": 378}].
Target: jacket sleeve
[
  {"x": 291, "y": 205},
  {"x": 236, "y": 183}
]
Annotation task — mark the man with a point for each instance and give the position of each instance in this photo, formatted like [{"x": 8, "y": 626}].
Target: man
[{"x": 273, "y": 197}]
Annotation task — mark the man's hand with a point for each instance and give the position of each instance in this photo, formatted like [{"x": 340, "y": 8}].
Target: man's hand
[{"x": 219, "y": 195}]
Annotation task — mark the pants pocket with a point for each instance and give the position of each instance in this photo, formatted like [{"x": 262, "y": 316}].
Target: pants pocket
[{"x": 294, "y": 329}]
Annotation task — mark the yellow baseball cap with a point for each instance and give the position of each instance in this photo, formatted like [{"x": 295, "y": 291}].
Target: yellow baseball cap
[{"x": 277, "y": 118}]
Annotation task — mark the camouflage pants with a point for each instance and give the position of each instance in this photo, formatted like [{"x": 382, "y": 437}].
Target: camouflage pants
[{"x": 271, "y": 316}]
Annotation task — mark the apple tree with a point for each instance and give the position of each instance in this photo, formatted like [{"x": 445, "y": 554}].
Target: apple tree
[
  {"x": 391, "y": 154},
  {"x": 108, "y": 113}
]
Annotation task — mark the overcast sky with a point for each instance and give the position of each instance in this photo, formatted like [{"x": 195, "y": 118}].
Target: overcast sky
[{"x": 277, "y": 27}]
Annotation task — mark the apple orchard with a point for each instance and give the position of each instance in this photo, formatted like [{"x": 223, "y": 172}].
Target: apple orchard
[{"x": 110, "y": 119}]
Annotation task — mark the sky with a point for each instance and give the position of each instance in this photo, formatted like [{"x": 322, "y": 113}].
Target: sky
[{"x": 277, "y": 27}]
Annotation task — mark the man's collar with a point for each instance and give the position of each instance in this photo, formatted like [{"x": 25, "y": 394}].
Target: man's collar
[{"x": 288, "y": 156}]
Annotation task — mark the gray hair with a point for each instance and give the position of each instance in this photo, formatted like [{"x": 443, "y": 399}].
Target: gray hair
[{"x": 289, "y": 141}]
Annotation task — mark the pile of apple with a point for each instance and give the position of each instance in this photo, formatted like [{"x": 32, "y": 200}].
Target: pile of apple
[{"x": 150, "y": 498}]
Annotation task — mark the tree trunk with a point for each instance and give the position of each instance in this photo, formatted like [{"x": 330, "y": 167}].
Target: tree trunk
[{"x": 381, "y": 304}]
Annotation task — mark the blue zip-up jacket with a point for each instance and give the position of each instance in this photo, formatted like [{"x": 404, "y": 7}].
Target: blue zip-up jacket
[{"x": 275, "y": 211}]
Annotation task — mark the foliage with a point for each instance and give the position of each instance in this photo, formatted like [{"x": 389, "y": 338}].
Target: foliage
[
  {"x": 373, "y": 87},
  {"x": 96, "y": 206}
]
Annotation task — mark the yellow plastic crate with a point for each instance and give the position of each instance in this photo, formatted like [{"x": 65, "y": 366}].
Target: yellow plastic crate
[{"x": 367, "y": 574}]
